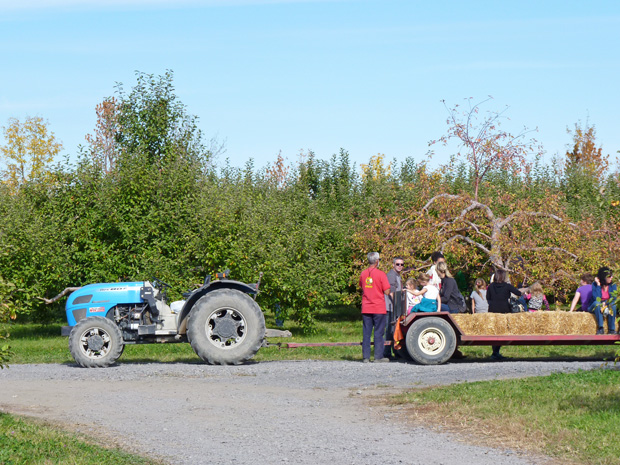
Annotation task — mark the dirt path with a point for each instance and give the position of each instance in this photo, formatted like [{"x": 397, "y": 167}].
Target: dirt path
[{"x": 275, "y": 412}]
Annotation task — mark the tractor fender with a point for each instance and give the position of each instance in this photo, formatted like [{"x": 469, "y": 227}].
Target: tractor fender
[{"x": 213, "y": 286}]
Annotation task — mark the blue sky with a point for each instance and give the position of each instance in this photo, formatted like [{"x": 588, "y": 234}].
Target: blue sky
[{"x": 290, "y": 76}]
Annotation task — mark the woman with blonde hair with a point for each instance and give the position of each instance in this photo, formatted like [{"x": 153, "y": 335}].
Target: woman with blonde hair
[{"x": 449, "y": 293}]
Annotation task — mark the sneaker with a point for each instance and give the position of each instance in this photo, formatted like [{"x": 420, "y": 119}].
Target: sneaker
[
  {"x": 600, "y": 331},
  {"x": 382, "y": 360},
  {"x": 497, "y": 357},
  {"x": 366, "y": 360}
]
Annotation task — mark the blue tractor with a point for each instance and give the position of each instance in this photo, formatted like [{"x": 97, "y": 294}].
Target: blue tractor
[{"x": 223, "y": 324}]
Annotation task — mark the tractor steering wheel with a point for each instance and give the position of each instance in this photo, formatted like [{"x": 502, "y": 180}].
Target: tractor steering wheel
[{"x": 159, "y": 284}]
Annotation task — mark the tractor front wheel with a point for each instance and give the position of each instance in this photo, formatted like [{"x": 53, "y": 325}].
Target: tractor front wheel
[{"x": 95, "y": 342}]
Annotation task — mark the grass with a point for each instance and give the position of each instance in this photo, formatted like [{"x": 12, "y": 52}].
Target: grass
[
  {"x": 574, "y": 417},
  {"x": 31, "y": 442},
  {"x": 35, "y": 343}
]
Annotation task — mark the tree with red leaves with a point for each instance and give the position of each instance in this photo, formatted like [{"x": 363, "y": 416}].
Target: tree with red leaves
[{"x": 483, "y": 143}]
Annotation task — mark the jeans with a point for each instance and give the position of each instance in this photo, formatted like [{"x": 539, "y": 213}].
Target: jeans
[
  {"x": 376, "y": 320},
  {"x": 445, "y": 308},
  {"x": 389, "y": 334},
  {"x": 600, "y": 318}
]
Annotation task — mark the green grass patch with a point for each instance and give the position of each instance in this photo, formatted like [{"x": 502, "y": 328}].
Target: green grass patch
[
  {"x": 541, "y": 353},
  {"x": 570, "y": 416},
  {"x": 32, "y": 442}
]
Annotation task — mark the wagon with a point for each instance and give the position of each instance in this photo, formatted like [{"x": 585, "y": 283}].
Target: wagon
[{"x": 432, "y": 338}]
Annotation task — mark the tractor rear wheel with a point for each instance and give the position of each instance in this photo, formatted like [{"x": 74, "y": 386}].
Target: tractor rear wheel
[
  {"x": 95, "y": 342},
  {"x": 226, "y": 327}
]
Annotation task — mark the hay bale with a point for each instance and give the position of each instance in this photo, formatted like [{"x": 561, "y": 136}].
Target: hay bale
[
  {"x": 482, "y": 323},
  {"x": 521, "y": 323},
  {"x": 583, "y": 322},
  {"x": 540, "y": 323},
  {"x": 546, "y": 322}
]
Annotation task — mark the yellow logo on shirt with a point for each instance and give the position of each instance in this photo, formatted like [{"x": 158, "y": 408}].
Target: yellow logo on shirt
[{"x": 369, "y": 282}]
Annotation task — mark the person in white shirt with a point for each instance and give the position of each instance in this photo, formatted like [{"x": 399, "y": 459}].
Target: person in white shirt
[{"x": 435, "y": 279}]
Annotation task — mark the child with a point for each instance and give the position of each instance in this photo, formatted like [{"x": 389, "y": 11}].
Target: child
[
  {"x": 479, "y": 302},
  {"x": 431, "y": 302},
  {"x": 414, "y": 297},
  {"x": 536, "y": 298}
]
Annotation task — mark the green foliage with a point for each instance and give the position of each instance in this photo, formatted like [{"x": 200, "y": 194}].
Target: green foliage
[
  {"x": 583, "y": 193},
  {"x": 154, "y": 125},
  {"x": 161, "y": 210},
  {"x": 7, "y": 311},
  {"x": 249, "y": 224},
  {"x": 29, "y": 149},
  {"x": 585, "y": 174},
  {"x": 5, "y": 353},
  {"x": 145, "y": 200},
  {"x": 132, "y": 222}
]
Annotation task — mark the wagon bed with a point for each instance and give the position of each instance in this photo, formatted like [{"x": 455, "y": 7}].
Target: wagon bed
[{"x": 432, "y": 338}]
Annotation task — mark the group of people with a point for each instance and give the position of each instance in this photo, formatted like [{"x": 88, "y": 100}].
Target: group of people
[
  {"x": 433, "y": 291},
  {"x": 531, "y": 301},
  {"x": 437, "y": 290},
  {"x": 598, "y": 295}
]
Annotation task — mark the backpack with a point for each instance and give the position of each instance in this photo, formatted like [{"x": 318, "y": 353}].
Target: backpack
[
  {"x": 460, "y": 300},
  {"x": 515, "y": 305}
]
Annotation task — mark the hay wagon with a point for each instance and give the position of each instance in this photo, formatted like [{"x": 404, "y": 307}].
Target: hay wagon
[{"x": 432, "y": 338}]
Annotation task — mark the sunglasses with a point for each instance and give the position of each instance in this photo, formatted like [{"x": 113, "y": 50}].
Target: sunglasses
[{"x": 399, "y": 264}]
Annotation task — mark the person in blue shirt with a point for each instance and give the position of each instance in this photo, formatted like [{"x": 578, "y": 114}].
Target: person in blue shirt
[{"x": 604, "y": 296}]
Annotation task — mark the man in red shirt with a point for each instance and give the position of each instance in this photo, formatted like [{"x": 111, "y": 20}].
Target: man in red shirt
[{"x": 375, "y": 286}]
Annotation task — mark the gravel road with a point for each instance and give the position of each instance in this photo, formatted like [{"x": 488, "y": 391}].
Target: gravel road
[{"x": 301, "y": 412}]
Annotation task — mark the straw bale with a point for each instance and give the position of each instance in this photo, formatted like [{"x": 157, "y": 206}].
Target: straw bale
[
  {"x": 527, "y": 323},
  {"x": 520, "y": 323}
]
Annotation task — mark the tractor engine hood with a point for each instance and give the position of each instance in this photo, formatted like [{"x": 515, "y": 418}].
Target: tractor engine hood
[{"x": 98, "y": 299}]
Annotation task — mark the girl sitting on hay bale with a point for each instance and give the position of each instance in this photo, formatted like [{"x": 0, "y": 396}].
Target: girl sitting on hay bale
[
  {"x": 414, "y": 296},
  {"x": 536, "y": 298},
  {"x": 479, "y": 302},
  {"x": 431, "y": 302}
]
